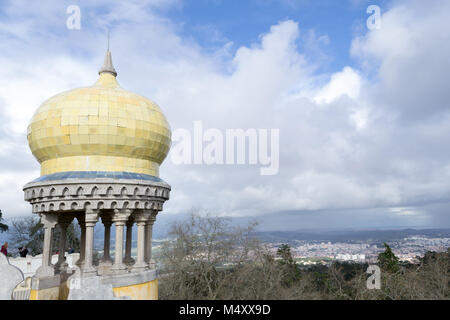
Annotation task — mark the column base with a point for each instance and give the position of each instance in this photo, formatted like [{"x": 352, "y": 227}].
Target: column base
[
  {"x": 105, "y": 263},
  {"x": 119, "y": 268},
  {"x": 45, "y": 288},
  {"x": 104, "y": 267},
  {"x": 151, "y": 264},
  {"x": 45, "y": 271},
  {"x": 139, "y": 267},
  {"x": 88, "y": 271}
]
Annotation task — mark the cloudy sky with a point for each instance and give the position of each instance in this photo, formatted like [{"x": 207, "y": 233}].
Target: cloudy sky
[{"x": 364, "y": 115}]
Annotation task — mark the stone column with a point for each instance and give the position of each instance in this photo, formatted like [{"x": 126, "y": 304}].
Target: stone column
[
  {"x": 107, "y": 222},
  {"x": 128, "y": 244},
  {"x": 141, "y": 221},
  {"x": 49, "y": 221},
  {"x": 91, "y": 219},
  {"x": 148, "y": 237},
  {"x": 63, "y": 222},
  {"x": 81, "y": 222},
  {"x": 120, "y": 217}
]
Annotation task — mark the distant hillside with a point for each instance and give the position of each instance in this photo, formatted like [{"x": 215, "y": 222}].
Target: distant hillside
[{"x": 354, "y": 235}]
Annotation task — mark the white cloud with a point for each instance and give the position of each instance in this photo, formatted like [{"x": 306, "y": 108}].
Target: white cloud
[
  {"x": 348, "y": 143},
  {"x": 347, "y": 82}
]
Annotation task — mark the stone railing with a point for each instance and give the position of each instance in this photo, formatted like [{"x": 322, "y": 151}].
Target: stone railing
[{"x": 30, "y": 264}]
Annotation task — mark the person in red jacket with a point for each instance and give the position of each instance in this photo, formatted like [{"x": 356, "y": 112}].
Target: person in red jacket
[{"x": 5, "y": 249}]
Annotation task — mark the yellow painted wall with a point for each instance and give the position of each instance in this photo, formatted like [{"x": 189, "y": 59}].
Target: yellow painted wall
[
  {"x": 64, "y": 291},
  {"x": 143, "y": 291},
  {"x": 45, "y": 294}
]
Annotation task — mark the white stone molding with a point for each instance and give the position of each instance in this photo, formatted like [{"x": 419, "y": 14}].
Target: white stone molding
[{"x": 74, "y": 196}]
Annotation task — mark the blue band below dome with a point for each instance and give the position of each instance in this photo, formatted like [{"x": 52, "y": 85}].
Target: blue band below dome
[{"x": 97, "y": 174}]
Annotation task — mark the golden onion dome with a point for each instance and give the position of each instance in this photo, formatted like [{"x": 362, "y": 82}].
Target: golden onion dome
[{"x": 101, "y": 128}]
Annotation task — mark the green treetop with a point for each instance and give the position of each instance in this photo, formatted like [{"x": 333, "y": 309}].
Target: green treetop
[{"x": 387, "y": 260}]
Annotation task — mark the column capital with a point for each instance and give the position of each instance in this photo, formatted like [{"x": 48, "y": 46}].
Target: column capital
[
  {"x": 142, "y": 217},
  {"x": 121, "y": 215},
  {"x": 49, "y": 220},
  {"x": 91, "y": 216},
  {"x": 152, "y": 216}
]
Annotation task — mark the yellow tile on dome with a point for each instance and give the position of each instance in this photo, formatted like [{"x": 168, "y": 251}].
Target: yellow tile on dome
[
  {"x": 102, "y": 130},
  {"x": 83, "y": 120},
  {"x": 103, "y": 139},
  {"x": 94, "y": 138},
  {"x": 130, "y": 141},
  {"x": 84, "y": 111},
  {"x": 66, "y": 139},
  {"x": 112, "y": 130},
  {"x": 132, "y": 124},
  {"x": 93, "y": 120},
  {"x": 76, "y": 149},
  {"x": 120, "y": 139},
  {"x": 83, "y": 138},
  {"x": 112, "y": 121},
  {"x": 93, "y": 129},
  {"x": 120, "y": 131},
  {"x": 103, "y": 148},
  {"x": 75, "y": 139},
  {"x": 93, "y": 111},
  {"x": 122, "y": 122},
  {"x": 103, "y": 112},
  {"x": 72, "y": 129},
  {"x": 73, "y": 120},
  {"x": 122, "y": 113}
]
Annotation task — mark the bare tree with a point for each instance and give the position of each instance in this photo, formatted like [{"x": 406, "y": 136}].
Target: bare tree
[
  {"x": 206, "y": 258},
  {"x": 28, "y": 231},
  {"x": 3, "y": 227}
]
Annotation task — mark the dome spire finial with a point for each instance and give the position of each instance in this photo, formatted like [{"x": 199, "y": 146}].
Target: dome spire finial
[{"x": 108, "y": 66}]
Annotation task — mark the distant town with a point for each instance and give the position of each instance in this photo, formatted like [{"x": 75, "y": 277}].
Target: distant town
[{"x": 413, "y": 244}]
